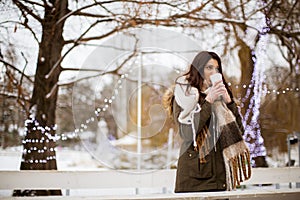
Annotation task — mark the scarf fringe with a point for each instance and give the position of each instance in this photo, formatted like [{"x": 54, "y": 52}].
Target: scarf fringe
[
  {"x": 203, "y": 145},
  {"x": 237, "y": 164}
]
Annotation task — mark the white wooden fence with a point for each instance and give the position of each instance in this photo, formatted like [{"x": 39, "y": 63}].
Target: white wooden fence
[{"x": 50, "y": 179}]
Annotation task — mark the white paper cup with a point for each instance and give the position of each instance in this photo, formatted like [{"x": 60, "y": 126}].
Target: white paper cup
[{"x": 215, "y": 78}]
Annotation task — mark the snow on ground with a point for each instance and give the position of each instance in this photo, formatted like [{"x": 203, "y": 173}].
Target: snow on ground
[
  {"x": 10, "y": 159},
  {"x": 67, "y": 159}
]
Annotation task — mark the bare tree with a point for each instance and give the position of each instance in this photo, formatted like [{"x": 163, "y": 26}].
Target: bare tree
[
  {"x": 51, "y": 16},
  {"x": 48, "y": 20}
]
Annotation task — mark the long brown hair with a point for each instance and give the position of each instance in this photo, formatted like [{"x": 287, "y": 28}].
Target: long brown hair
[
  {"x": 195, "y": 78},
  {"x": 195, "y": 75}
]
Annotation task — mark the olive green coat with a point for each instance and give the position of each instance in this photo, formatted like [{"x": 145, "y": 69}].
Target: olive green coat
[{"x": 193, "y": 176}]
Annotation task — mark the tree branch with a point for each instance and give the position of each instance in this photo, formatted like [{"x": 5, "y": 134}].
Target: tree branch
[
  {"x": 289, "y": 14},
  {"x": 33, "y": 3},
  {"x": 25, "y": 26},
  {"x": 81, "y": 39},
  {"x": 115, "y": 71},
  {"x": 16, "y": 69},
  {"x": 85, "y": 14},
  {"x": 23, "y": 8},
  {"x": 75, "y": 43},
  {"x": 76, "y": 12}
]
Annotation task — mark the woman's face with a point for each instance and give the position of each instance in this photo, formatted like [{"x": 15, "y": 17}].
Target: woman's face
[{"x": 210, "y": 68}]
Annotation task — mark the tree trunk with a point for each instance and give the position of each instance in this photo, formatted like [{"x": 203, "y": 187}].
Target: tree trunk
[
  {"x": 246, "y": 76},
  {"x": 39, "y": 143}
]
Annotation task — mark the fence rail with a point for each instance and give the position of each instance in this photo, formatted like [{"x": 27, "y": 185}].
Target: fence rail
[{"x": 50, "y": 179}]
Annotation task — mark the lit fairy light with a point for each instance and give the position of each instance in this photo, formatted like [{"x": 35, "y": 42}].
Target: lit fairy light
[
  {"x": 47, "y": 137},
  {"x": 32, "y": 145},
  {"x": 266, "y": 91},
  {"x": 252, "y": 130}
]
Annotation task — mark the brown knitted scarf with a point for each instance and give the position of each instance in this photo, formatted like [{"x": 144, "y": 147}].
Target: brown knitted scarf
[{"x": 235, "y": 152}]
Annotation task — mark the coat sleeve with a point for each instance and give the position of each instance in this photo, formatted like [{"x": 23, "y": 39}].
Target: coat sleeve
[{"x": 234, "y": 109}]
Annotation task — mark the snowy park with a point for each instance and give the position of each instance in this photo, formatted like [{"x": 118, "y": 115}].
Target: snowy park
[{"x": 119, "y": 99}]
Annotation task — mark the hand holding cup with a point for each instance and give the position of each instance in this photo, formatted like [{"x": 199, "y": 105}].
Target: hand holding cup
[{"x": 217, "y": 89}]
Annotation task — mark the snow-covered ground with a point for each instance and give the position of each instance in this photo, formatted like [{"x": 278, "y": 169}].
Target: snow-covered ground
[
  {"x": 10, "y": 159},
  {"x": 67, "y": 159}
]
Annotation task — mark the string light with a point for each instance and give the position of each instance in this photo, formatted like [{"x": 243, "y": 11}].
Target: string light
[
  {"x": 265, "y": 90},
  {"x": 252, "y": 129},
  {"x": 108, "y": 101},
  {"x": 256, "y": 85}
]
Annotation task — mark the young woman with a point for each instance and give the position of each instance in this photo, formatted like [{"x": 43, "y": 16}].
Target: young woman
[{"x": 213, "y": 155}]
